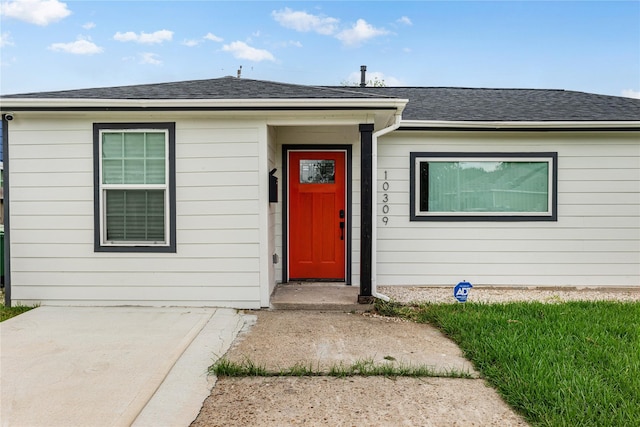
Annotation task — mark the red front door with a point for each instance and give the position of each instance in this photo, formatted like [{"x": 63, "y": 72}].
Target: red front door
[{"x": 317, "y": 216}]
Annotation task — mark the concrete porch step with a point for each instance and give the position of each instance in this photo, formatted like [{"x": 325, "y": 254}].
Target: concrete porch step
[{"x": 317, "y": 296}]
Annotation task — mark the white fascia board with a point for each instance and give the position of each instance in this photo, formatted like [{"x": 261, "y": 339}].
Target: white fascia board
[
  {"x": 519, "y": 125},
  {"x": 307, "y": 103}
]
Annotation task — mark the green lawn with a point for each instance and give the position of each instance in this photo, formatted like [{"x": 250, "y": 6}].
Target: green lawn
[
  {"x": 9, "y": 312},
  {"x": 568, "y": 364}
]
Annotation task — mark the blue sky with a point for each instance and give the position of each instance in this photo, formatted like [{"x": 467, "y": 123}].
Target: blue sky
[{"x": 590, "y": 46}]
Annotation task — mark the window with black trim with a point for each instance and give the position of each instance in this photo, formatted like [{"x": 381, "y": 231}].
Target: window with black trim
[
  {"x": 483, "y": 186},
  {"x": 134, "y": 180}
]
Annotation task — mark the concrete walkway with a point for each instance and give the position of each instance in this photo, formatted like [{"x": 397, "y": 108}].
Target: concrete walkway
[
  {"x": 317, "y": 296},
  {"x": 281, "y": 339},
  {"x": 103, "y": 366}
]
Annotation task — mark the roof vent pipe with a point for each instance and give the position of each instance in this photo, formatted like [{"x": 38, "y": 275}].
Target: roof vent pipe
[{"x": 363, "y": 75}]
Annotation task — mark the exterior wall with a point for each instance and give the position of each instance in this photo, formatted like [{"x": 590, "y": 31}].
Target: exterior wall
[
  {"x": 595, "y": 242},
  {"x": 275, "y": 217},
  {"x": 323, "y": 135},
  {"x": 220, "y": 216}
]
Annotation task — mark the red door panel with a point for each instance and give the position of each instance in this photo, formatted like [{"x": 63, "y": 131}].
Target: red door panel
[{"x": 316, "y": 200}]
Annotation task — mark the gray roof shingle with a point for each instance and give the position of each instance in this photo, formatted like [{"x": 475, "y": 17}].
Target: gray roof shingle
[
  {"x": 468, "y": 104},
  {"x": 425, "y": 103},
  {"x": 222, "y": 88}
]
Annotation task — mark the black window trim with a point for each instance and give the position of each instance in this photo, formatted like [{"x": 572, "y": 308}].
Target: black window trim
[
  {"x": 170, "y": 127},
  {"x": 553, "y": 216}
]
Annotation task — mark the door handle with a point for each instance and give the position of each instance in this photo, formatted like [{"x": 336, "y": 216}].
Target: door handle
[{"x": 341, "y": 230}]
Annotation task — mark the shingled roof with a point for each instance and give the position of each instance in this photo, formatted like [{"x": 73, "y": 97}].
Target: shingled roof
[
  {"x": 425, "y": 103},
  {"x": 468, "y": 104},
  {"x": 222, "y": 88}
]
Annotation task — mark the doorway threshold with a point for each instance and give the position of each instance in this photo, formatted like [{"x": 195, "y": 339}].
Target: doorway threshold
[{"x": 327, "y": 296}]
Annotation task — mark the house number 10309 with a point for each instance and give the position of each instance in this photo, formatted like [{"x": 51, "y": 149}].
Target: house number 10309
[{"x": 385, "y": 200}]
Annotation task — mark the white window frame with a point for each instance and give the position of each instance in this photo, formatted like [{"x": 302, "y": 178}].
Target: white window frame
[
  {"x": 418, "y": 215},
  {"x": 101, "y": 189}
]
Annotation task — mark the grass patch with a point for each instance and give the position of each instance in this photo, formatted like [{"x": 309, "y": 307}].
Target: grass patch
[
  {"x": 367, "y": 367},
  {"x": 573, "y": 363},
  {"x": 226, "y": 368},
  {"x": 9, "y": 312}
]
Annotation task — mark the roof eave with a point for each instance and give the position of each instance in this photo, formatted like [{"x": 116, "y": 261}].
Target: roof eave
[
  {"x": 8, "y": 104},
  {"x": 522, "y": 125}
]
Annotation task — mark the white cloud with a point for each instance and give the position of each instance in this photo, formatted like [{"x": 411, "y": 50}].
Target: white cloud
[
  {"x": 150, "y": 58},
  {"x": 242, "y": 50},
  {"x": 89, "y": 25},
  {"x": 359, "y": 33},
  {"x": 144, "y": 38},
  {"x": 6, "y": 39},
  {"x": 404, "y": 20},
  {"x": 39, "y": 12},
  {"x": 82, "y": 46},
  {"x": 213, "y": 37},
  {"x": 630, "y": 93},
  {"x": 196, "y": 42},
  {"x": 191, "y": 43},
  {"x": 305, "y": 22},
  {"x": 126, "y": 37},
  {"x": 302, "y": 21}
]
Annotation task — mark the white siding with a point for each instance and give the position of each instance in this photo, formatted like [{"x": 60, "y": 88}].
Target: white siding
[
  {"x": 218, "y": 257},
  {"x": 274, "y": 249},
  {"x": 596, "y": 240}
]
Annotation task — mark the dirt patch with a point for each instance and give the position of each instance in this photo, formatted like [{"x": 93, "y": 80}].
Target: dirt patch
[{"x": 280, "y": 339}]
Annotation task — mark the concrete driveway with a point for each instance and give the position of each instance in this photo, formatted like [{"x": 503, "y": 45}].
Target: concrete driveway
[{"x": 110, "y": 366}]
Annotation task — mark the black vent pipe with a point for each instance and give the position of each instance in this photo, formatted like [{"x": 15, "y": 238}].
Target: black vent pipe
[{"x": 363, "y": 75}]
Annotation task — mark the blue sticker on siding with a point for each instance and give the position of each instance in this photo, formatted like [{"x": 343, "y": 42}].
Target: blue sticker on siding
[{"x": 461, "y": 291}]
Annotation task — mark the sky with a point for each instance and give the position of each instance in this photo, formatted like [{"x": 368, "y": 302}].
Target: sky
[{"x": 588, "y": 46}]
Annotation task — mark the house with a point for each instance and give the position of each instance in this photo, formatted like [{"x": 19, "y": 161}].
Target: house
[{"x": 211, "y": 192}]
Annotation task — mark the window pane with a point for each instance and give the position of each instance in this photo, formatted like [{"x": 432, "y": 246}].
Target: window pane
[
  {"x": 112, "y": 158},
  {"x": 112, "y": 172},
  {"x": 135, "y": 215},
  {"x": 155, "y": 202},
  {"x": 115, "y": 203},
  {"x": 484, "y": 186},
  {"x": 135, "y": 228},
  {"x": 115, "y": 227},
  {"x": 134, "y": 145},
  {"x": 155, "y": 171},
  {"x": 135, "y": 202},
  {"x": 317, "y": 171},
  {"x": 112, "y": 145},
  {"x": 155, "y": 145},
  {"x": 134, "y": 171}
]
